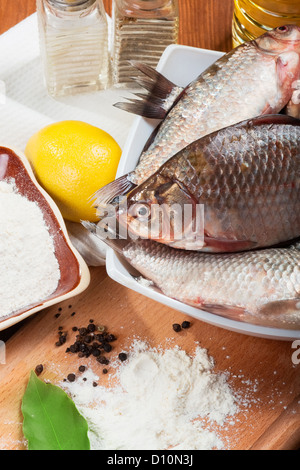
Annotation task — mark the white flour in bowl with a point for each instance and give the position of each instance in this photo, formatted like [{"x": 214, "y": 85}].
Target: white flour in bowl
[
  {"x": 29, "y": 270},
  {"x": 162, "y": 400}
]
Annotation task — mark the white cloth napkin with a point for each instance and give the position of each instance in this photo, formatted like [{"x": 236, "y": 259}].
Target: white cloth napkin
[{"x": 25, "y": 107}]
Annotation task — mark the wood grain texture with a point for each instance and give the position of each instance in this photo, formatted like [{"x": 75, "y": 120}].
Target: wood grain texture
[
  {"x": 206, "y": 24},
  {"x": 284, "y": 433},
  {"x": 261, "y": 370},
  {"x": 12, "y": 13}
]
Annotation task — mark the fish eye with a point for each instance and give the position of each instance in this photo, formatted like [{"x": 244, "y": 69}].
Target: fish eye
[
  {"x": 140, "y": 211},
  {"x": 282, "y": 29}
]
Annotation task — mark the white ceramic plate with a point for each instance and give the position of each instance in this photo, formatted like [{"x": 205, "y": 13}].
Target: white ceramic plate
[{"x": 181, "y": 65}]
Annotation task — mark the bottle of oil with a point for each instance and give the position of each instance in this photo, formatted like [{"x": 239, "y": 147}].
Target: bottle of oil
[
  {"x": 74, "y": 45},
  {"x": 254, "y": 17},
  {"x": 142, "y": 29}
]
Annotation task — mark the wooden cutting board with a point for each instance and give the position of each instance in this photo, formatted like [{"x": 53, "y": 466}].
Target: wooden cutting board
[{"x": 260, "y": 369}]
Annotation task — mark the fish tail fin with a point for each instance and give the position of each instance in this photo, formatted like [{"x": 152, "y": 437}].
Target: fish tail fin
[
  {"x": 112, "y": 191},
  {"x": 161, "y": 96}
]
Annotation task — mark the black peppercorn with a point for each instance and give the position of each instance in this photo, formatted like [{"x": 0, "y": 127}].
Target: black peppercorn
[
  {"x": 73, "y": 348},
  {"x": 82, "y": 331},
  {"x": 87, "y": 339},
  {"x": 103, "y": 360},
  {"x": 39, "y": 369},
  {"x": 186, "y": 324},
  {"x": 122, "y": 356},
  {"x": 110, "y": 338},
  {"x": 107, "y": 347},
  {"x": 99, "y": 337},
  {"x": 61, "y": 340},
  {"x": 91, "y": 327},
  {"x": 96, "y": 352},
  {"x": 71, "y": 377},
  {"x": 176, "y": 327}
]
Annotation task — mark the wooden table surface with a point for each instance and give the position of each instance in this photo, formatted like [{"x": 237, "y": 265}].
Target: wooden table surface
[{"x": 271, "y": 422}]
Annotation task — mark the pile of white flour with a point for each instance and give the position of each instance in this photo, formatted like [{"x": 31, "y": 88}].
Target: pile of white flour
[
  {"x": 156, "y": 402},
  {"x": 29, "y": 271}
]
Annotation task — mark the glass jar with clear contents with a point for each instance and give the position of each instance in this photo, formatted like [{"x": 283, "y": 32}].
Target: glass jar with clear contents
[
  {"x": 142, "y": 29},
  {"x": 252, "y": 18},
  {"x": 74, "y": 45}
]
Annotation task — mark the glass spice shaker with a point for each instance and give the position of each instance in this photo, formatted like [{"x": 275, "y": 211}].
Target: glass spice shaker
[
  {"x": 141, "y": 31},
  {"x": 74, "y": 45}
]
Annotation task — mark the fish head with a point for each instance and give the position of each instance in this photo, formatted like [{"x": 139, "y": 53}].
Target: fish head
[
  {"x": 158, "y": 210},
  {"x": 278, "y": 40},
  {"x": 282, "y": 45}
]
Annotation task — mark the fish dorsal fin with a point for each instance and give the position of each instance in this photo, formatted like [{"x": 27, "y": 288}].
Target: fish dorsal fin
[{"x": 161, "y": 96}]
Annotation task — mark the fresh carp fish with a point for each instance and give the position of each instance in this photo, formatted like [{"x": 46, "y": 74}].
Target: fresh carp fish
[
  {"x": 257, "y": 78},
  {"x": 260, "y": 287},
  {"x": 237, "y": 189}
]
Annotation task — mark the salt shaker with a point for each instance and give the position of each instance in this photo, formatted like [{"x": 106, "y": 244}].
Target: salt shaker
[
  {"x": 74, "y": 45},
  {"x": 142, "y": 29}
]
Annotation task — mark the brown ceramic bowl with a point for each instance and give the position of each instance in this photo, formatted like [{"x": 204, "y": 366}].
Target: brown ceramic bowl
[{"x": 74, "y": 273}]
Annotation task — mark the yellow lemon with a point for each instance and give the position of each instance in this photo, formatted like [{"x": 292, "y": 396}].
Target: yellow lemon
[{"x": 72, "y": 160}]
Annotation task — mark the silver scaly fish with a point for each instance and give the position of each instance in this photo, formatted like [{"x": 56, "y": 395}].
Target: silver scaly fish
[
  {"x": 254, "y": 79},
  {"x": 258, "y": 287},
  {"x": 246, "y": 178}
]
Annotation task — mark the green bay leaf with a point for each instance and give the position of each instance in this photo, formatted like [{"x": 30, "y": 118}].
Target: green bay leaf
[{"x": 51, "y": 419}]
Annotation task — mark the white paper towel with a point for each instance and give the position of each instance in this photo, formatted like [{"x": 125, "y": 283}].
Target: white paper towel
[{"x": 27, "y": 107}]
